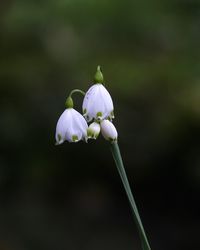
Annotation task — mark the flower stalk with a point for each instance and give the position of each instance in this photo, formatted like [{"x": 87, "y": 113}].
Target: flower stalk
[
  {"x": 77, "y": 91},
  {"x": 120, "y": 166}
]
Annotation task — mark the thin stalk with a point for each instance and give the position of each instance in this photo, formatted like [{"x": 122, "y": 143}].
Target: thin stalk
[
  {"x": 120, "y": 166},
  {"x": 77, "y": 91}
]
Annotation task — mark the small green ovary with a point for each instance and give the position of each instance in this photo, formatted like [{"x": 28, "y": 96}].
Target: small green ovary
[
  {"x": 69, "y": 102},
  {"x": 98, "y": 77}
]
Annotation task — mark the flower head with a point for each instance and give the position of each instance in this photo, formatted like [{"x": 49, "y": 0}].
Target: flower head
[
  {"x": 93, "y": 130},
  {"x": 97, "y": 103},
  {"x": 71, "y": 126},
  {"x": 108, "y": 130}
]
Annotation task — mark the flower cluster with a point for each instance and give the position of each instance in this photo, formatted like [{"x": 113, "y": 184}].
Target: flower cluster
[{"x": 97, "y": 108}]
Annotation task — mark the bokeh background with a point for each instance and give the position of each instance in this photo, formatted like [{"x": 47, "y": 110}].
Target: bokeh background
[{"x": 71, "y": 197}]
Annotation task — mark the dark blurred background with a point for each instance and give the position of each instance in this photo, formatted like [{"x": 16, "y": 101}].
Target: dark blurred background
[{"x": 71, "y": 197}]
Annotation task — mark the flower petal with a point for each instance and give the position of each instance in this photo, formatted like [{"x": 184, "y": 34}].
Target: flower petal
[{"x": 61, "y": 127}]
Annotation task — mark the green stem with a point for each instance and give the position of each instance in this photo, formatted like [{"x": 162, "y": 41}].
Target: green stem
[
  {"x": 120, "y": 166},
  {"x": 76, "y": 91}
]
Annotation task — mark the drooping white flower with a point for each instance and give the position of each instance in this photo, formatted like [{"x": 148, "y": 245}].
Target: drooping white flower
[
  {"x": 71, "y": 126},
  {"x": 97, "y": 103},
  {"x": 93, "y": 130},
  {"x": 108, "y": 130}
]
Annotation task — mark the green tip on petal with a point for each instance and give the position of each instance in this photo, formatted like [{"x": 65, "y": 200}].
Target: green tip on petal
[
  {"x": 59, "y": 137},
  {"x": 95, "y": 136},
  {"x": 99, "y": 115},
  {"x": 98, "y": 77},
  {"x": 69, "y": 103},
  {"x": 74, "y": 138},
  {"x": 59, "y": 140},
  {"x": 89, "y": 133},
  {"x": 112, "y": 114}
]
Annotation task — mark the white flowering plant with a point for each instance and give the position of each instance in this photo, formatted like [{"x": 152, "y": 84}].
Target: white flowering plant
[{"x": 98, "y": 112}]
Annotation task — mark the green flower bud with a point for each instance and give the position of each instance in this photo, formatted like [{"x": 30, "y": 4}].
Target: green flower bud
[{"x": 93, "y": 130}]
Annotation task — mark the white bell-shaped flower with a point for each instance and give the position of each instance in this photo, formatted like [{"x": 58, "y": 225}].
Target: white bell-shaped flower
[
  {"x": 108, "y": 130},
  {"x": 97, "y": 103},
  {"x": 71, "y": 126},
  {"x": 93, "y": 130}
]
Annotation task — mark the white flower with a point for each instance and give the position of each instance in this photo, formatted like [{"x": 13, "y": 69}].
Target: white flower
[
  {"x": 71, "y": 126},
  {"x": 97, "y": 103},
  {"x": 93, "y": 130},
  {"x": 108, "y": 130}
]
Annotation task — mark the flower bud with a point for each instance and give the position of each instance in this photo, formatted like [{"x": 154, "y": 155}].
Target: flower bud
[
  {"x": 93, "y": 130},
  {"x": 108, "y": 130}
]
